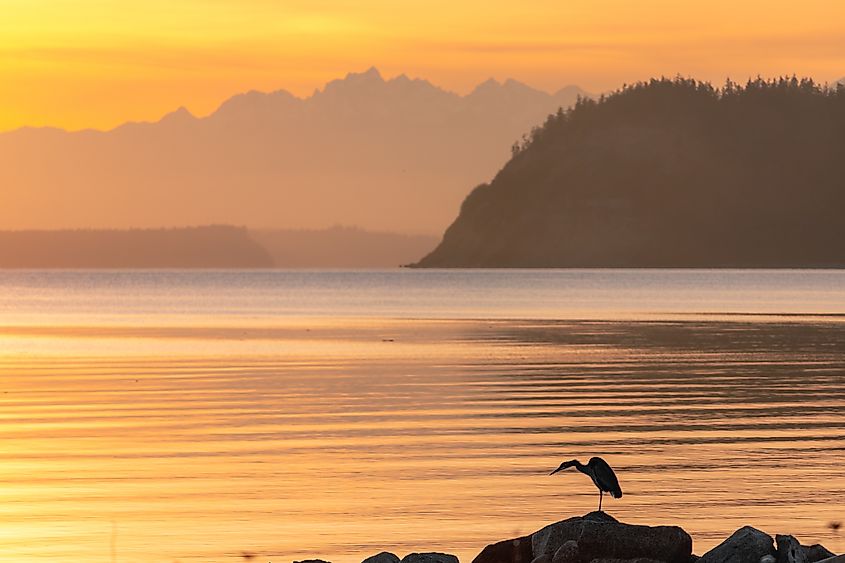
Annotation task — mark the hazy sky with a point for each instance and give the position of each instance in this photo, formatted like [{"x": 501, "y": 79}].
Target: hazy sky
[{"x": 97, "y": 63}]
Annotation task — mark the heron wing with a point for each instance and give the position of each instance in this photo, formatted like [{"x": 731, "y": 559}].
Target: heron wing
[{"x": 605, "y": 477}]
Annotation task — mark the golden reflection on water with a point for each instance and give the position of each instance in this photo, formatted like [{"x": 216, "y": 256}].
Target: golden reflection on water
[{"x": 338, "y": 439}]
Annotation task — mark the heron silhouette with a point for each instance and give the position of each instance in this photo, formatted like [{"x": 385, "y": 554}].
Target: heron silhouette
[{"x": 600, "y": 472}]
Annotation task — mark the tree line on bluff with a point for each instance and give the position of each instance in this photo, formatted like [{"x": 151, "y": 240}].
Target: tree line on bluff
[{"x": 668, "y": 173}]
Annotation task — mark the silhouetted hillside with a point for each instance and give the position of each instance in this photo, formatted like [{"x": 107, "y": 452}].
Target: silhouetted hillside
[
  {"x": 197, "y": 247},
  {"x": 342, "y": 247},
  {"x": 386, "y": 155},
  {"x": 669, "y": 173}
]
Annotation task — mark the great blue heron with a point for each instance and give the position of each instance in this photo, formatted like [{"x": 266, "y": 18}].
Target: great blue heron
[{"x": 601, "y": 474}]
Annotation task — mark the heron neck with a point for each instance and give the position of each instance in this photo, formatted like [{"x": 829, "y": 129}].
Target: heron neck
[{"x": 585, "y": 469}]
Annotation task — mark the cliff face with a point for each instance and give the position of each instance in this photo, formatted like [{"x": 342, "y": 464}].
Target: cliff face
[{"x": 668, "y": 174}]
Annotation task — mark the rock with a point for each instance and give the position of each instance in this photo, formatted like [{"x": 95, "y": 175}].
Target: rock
[
  {"x": 768, "y": 559},
  {"x": 834, "y": 559},
  {"x": 600, "y": 536},
  {"x": 746, "y": 545},
  {"x": 635, "y": 560},
  {"x": 383, "y": 557},
  {"x": 567, "y": 553},
  {"x": 789, "y": 550},
  {"x": 599, "y": 516},
  {"x": 517, "y": 550},
  {"x": 542, "y": 559},
  {"x": 816, "y": 552},
  {"x": 549, "y": 539},
  {"x": 431, "y": 557},
  {"x": 615, "y": 540}
]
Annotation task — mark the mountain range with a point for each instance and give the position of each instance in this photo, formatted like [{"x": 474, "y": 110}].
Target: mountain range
[{"x": 385, "y": 155}]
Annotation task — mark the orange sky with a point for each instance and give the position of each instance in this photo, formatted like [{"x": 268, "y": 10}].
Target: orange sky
[{"x": 97, "y": 63}]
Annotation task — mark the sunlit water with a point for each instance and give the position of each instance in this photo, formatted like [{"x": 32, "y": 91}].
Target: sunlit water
[{"x": 205, "y": 416}]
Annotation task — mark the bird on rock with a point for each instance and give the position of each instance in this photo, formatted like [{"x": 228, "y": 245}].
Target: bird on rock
[{"x": 600, "y": 472}]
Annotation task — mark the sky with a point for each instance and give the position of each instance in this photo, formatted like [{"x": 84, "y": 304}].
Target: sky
[{"x": 98, "y": 63}]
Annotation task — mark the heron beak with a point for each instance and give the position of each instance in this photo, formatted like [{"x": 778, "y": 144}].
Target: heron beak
[{"x": 556, "y": 470}]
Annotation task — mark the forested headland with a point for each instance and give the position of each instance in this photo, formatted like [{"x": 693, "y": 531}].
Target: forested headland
[{"x": 668, "y": 173}]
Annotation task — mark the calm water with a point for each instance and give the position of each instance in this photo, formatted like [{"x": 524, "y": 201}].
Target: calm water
[{"x": 201, "y": 416}]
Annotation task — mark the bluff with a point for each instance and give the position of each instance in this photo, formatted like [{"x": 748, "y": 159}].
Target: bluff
[{"x": 668, "y": 173}]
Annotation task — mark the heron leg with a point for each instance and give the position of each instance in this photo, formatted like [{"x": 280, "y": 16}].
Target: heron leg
[{"x": 601, "y": 495}]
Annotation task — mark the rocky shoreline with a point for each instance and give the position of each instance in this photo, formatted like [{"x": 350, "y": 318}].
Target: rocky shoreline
[{"x": 599, "y": 538}]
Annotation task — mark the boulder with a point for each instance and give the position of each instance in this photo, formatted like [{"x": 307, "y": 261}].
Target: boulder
[
  {"x": 834, "y": 559},
  {"x": 600, "y": 536},
  {"x": 615, "y": 540},
  {"x": 517, "y": 550},
  {"x": 635, "y": 560},
  {"x": 746, "y": 545},
  {"x": 383, "y": 557},
  {"x": 549, "y": 539},
  {"x": 567, "y": 553},
  {"x": 789, "y": 550},
  {"x": 816, "y": 552},
  {"x": 542, "y": 559},
  {"x": 431, "y": 557}
]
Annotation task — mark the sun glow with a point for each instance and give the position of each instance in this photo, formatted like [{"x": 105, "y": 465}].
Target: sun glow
[{"x": 98, "y": 63}]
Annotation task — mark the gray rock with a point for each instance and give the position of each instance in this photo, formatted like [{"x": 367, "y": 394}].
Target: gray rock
[
  {"x": 834, "y": 559},
  {"x": 542, "y": 559},
  {"x": 549, "y": 539},
  {"x": 615, "y": 540},
  {"x": 600, "y": 536},
  {"x": 816, "y": 552},
  {"x": 383, "y": 557},
  {"x": 789, "y": 550},
  {"x": 567, "y": 553},
  {"x": 635, "y": 560},
  {"x": 431, "y": 557},
  {"x": 746, "y": 545}
]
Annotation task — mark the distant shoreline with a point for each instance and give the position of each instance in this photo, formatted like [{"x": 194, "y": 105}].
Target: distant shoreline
[{"x": 208, "y": 247}]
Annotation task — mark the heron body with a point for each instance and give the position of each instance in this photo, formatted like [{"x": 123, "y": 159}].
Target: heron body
[{"x": 600, "y": 472}]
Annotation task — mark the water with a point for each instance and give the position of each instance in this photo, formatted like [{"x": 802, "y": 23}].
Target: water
[{"x": 204, "y": 416}]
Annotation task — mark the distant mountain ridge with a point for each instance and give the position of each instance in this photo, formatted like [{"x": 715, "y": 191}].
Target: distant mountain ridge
[
  {"x": 668, "y": 173},
  {"x": 387, "y": 155}
]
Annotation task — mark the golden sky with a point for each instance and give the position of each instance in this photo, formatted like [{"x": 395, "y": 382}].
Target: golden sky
[{"x": 98, "y": 63}]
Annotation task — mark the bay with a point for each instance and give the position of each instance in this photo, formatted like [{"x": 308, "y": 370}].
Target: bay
[{"x": 210, "y": 415}]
